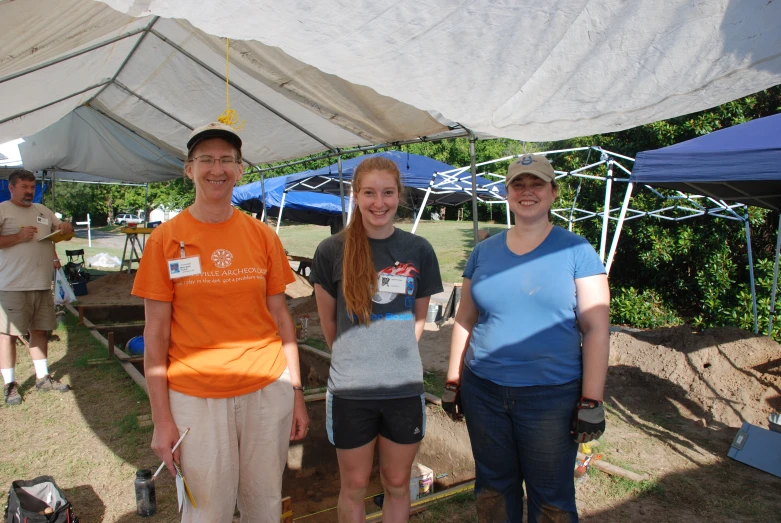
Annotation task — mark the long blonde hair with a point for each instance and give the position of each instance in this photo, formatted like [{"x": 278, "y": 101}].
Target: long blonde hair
[{"x": 359, "y": 277}]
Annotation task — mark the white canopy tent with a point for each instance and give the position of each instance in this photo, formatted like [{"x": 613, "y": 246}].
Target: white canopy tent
[
  {"x": 326, "y": 75},
  {"x": 322, "y": 75}
]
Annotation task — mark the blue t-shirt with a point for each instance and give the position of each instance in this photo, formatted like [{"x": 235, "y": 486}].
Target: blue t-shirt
[{"x": 526, "y": 332}]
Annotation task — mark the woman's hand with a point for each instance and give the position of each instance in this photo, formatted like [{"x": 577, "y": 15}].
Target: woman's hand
[
  {"x": 300, "y": 417},
  {"x": 164, "y": 438}
]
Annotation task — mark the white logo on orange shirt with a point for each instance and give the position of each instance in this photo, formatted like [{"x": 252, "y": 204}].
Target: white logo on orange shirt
[{"x": 222, "y": 258}]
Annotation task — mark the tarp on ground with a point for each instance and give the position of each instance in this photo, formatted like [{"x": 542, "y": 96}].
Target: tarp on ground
[
  {"x": 303, "y": 207},
  {"x": 310, "y": 76},
  {"x": 741, "y": 164},
  {"x": 419, "y": 174}
]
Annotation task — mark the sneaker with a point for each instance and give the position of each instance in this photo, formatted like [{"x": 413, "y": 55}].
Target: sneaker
[
  {"x": 48, "y": 384},
  {"x": 11, "y": 393}
]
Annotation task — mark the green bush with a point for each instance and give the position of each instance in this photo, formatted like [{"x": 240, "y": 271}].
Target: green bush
[{"x": 642, "y": 310}]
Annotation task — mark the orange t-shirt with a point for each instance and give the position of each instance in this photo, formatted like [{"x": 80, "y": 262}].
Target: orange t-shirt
[{"x": 224, "y": 341}]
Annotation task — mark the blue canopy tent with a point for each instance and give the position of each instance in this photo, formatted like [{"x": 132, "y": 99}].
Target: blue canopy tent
[
  {"x": 304, "y": 207},
  {"x": 427, "y": 181},
  {"x": 739, "y": 164},
  {"x": 5, "y": 194}
]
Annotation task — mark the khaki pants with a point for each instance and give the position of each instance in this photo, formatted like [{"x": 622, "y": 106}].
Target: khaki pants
[{"x": 236, "y": 450}]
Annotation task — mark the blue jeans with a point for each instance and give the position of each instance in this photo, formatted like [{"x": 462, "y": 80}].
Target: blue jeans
[{"x": 521, "y": 435}]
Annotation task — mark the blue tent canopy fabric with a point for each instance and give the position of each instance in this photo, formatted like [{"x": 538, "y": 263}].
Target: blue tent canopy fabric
[
  {"x": 5, "y": 194},
  {"x": 418, "y": 174},
  {"x": 741, "y": 164},
  {"x": 304, "y": 207}
]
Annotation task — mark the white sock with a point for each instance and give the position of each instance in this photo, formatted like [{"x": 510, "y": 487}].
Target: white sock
[
  {"x": 41, "y": 367},
  {"x": 9, "y": 375}
]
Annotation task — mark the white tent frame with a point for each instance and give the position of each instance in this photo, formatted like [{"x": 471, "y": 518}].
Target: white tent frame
[{"x": 695, "y": 206}]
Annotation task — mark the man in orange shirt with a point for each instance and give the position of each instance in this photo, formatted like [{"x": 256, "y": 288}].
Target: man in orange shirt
[{"x": 221, "y": 357}]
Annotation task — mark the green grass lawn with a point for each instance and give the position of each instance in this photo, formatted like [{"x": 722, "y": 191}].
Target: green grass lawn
[{"x": 452, "y": 241}]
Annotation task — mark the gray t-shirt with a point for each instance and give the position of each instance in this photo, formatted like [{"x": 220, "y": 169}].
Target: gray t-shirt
[{"x": 379, "y": 360}]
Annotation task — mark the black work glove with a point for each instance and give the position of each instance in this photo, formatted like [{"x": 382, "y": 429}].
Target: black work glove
[
  {"x": 451, "y": 401},
  {"x": 588, "y": 420}
]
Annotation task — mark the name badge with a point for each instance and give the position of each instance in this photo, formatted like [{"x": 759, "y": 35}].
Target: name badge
[
  {"x": 181, "y": 267},
  {"x": 392, "y": 283},
  {"x": 43, "y": 221}
]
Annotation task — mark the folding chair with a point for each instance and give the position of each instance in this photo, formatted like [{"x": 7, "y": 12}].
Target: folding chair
[{"x": 74, "y": 269}]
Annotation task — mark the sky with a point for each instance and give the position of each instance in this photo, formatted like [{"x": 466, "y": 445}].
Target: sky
[{"x": 9, "y": 153}]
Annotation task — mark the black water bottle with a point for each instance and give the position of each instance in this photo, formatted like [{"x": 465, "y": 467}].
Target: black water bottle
[{"x": 146, "y": 505}]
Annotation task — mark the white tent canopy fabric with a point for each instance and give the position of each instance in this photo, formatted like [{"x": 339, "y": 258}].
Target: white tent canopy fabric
[
  {"x": 105, "y": 147},
  {"x": 323, "y": 75},
  {"x": 526, "y": 69}
]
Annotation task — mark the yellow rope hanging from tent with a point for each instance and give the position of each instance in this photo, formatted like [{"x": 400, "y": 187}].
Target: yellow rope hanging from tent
[{"x": 229, "y": 116}]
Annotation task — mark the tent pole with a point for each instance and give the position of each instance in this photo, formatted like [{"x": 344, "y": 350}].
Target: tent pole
[
  {"x": 507, "y": 204},
  {"x": 54, "y": 208},
  {"x": 617, "y": 234},
  {"x": 146, "y": 205},
  {"x": 350, "y": 210},
  {"x": 473, "y": 169},
  {"x": 606, "y": 212},
  {"x": 264, "y": 215},
  {"x": 775, "y": 280},
  {"x": 420, "y": 213},
  {"x": 281, "y": 208},
  {"x": 341, "y": 188},
  {"x": 751, "y": 272}
]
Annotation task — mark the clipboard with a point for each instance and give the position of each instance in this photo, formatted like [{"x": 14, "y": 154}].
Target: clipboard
[{"x": 58, "y": 236}]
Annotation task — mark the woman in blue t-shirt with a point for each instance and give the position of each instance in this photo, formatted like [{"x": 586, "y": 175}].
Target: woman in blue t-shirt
[{"x": 529, "y": 355}]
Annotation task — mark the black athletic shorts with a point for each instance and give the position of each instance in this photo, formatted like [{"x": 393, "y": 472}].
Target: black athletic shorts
[{"x": 354, "y": 423}]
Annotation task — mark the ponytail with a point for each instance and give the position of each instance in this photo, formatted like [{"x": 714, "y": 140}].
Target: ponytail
[{"x": 359, "y": 277}]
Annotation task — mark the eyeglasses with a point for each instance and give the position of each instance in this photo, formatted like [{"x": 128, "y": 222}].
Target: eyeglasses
[{"x": 209, "y": 160}]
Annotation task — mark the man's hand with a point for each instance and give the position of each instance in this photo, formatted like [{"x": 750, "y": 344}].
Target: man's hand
[
  {"x": 164, "y": 438},
  {"x": 451, "y": 401},
  {"x": 588, "y": 420},
  {"x": 57, "y": 265},
  {"x": 300, "y": 417},
  {"x": 65, "y": 227},
  {"x": 26, "y": 234}
]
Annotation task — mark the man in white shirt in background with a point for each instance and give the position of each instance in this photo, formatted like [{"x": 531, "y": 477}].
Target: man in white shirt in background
[{"x": 26, "y": 266}]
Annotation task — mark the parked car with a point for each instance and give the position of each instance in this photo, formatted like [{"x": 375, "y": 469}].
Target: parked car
[{"x": 127, "y": 219}]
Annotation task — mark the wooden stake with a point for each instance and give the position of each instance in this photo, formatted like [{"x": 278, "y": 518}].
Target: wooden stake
[
  {"x": 110, "y": 345},
  {"x": 287, "y": 510}
]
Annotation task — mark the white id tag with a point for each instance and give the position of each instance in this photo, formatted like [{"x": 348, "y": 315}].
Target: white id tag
[
  {"x": 181, "y": 267},
  {"x": 43, "y": 221},
  {"x": 392, "y": 283}
]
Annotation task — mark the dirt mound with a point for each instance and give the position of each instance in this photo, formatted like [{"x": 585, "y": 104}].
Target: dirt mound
[
  {"x": 113, "y": 288},
  {"x": 723, "y": 375}
]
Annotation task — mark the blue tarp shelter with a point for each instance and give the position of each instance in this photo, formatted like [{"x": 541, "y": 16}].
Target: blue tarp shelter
[
  {"x": 739, "y": 164},
  {"x": 5, "y": 194},
  {"x": 304, "y": 207},
  {"x": 427, "y": 181}
]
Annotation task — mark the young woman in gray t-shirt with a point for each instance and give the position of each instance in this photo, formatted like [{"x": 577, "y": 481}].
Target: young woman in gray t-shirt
[{"x": 373, "y": 283}]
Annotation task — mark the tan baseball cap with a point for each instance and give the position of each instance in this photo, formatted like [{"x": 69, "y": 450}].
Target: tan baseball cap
[
  {"x": 534, "y": 164},
  {"x": 213, "y": 130}
]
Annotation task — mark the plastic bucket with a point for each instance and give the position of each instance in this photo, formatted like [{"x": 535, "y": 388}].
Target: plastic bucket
[
  {"x": 775, "y": 422},
  {"x": 433, "y": 312}
]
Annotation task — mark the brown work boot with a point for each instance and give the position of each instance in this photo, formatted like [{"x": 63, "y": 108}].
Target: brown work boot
[
  {"x": 11, "y": 393},
  {"x": 48, "y": 384}
]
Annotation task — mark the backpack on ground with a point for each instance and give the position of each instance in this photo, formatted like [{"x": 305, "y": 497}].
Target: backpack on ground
[{"x": 38, "y": 500}]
